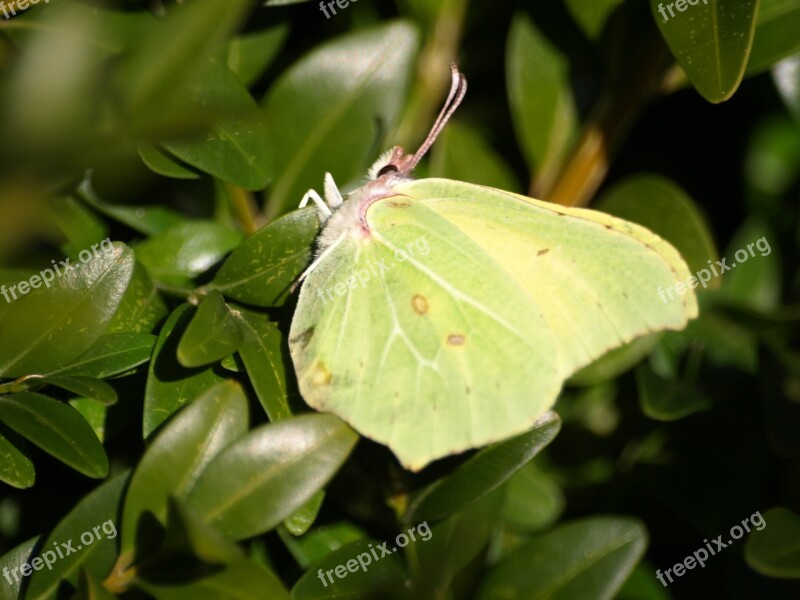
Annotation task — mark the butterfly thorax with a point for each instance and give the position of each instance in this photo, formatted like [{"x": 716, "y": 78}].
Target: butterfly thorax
[{"x": 351, "y": 217}]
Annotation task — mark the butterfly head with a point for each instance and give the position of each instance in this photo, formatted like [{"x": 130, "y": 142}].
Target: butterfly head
[{"x": 396, "y": 163}]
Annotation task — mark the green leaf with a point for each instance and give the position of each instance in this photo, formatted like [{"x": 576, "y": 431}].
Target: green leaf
[
  {"x": 776, "y": 34},
  {"x": 147, "y": 220},
  {"x": 91, "y": 588},
  {"x": 191, "y": 548},
  {"x": 74, "y": 310},
  {"x": 250, "y": 54},
  {"x": 614, "y": 363},
  {"x": 16, "y": 468},
  {"x": 178, "y": 455},
  {"x": 591, "y": 15},
  {"x": 710, "y": 40},
  {"x": 667, "y": 400},
  {"x": 169, "y": 384},
  {"x": 773, "y": 550},
  {"x": 162, "y": 163},
  {"x": 141, "y": 308},
  {"x": 299, "y": 522},
  {"x": 379, "y": 579},
  {"x": 95, "y": 414},
  {"x": 539, "y": 94},
  {"x": 11, "y": 587},
  {"x": 262, "y": 269},
  {"x": 320, "y": 541},
  {"x": 258, "y": 481},
  {"x": 154, "y": 77},
  {"x": 641, "y": 585},
  {"x": 56, "y": 428},
  {"x": 82, "y": 386},
  {"x": 462, "y": 153},
  {"x": 262, "y": 352},
  {"x": 80, "y": 225},
  {"x": 327, "y": 111},
  {"x": 786, "y": 75},
  {"x": 667, "y": 210},
  {"x": 110, "y": 355},
  {"x": 213, "y": 333},
  {"x": 533, "y": 500},
  {"x": 186, "y": 250},
  {"x": 237, "y": 147},
  {"x": 482, "y": 473},
  {"x": 587, "y": 559},
  {"x": 754, "y": 280},
  {"x": 94, "y": 516},
  {"x": 452, "y": 544}
]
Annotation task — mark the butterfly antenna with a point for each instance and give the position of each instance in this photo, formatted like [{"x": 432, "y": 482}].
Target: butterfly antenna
[{"x": 458, "y": 89}]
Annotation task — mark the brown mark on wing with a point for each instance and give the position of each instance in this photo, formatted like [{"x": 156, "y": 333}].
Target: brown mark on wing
[
  {"x": 456, "y": 339},
  {"x": 420, "y": 304},
  {"x": 304, "y": 338},
  {"x": 543, "y": 251}
]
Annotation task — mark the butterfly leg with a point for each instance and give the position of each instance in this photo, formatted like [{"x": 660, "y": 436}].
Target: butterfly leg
[
  {"x": 332, "y": 193},
  {"x": 322, "y": 208}
]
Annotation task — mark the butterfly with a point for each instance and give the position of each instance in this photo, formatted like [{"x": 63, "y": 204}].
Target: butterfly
[{"x": 440, "y": 316}]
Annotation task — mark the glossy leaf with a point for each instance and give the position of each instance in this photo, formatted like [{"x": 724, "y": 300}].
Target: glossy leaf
[
  {"x": 162, "y": 163},
  {"x": 147, "y": 220},
  {"x": 616, "y": 362},
  {"x": 303, "y": 518},
  {"x": 56, "y": 428},
  {"x": 383, "y": 579},
  {"x": 169, "y": 384},
  {"x": 542, "y": 107},
  {"x": 80, "y": 225},
  {"x": 533, "y": 500},
  {"x": 262, "y": 269},
  {"x": 711, "y": 41},
  {"x": 776, "y": 34},
  {"x": 83, "y": 386},
  {"x": 452, "y": 544},
  {"x": 74, "y": 310},
  {"x": 11, "y": 586},
  {"x": 110, "y": 355},
  {"x": 773, "y": 550},
  {"x": 482, "y": 473},
  {"x": 587, "y": 559},
  {"x": 95, "y": 414},
  {"x": 320, "y": 541},
  {"x": 179, "y": 454},
  {"x": 263, "y": 478},
  {"x": 328, "y": 111},
  {"x": 94, "y": 516},
  {"x": 787, "y": 79},
  {"x": 250, "y": 54},
  {"x": 186, "y": 250},
  {"x": 16, "y": 468},
  {"x": 237, "y": 148},
  {"x": 461, "y": 153},
  {"x": 212, "y": 334},
  {"x": 263, "y": 355},
  {"x": 141, "y": 308}
]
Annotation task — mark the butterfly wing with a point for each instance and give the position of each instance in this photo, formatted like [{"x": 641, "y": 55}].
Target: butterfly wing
[
  {"x": 456, "y": 322},
  {"x": 595, "y": 278},
  {"x": 427, "y": 346}
]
